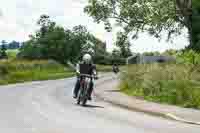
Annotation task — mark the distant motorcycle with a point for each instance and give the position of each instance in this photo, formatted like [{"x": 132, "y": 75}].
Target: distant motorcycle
[
  {"x": 115, "y": 69},
  {"x": 83, "y": 93}
]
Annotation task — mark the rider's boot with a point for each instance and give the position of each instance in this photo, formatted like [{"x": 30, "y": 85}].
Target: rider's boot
[
  {"x": 90, "y": 92},
  {"x": 74, "y": 96},
  {"x": 76, "y": 89},
  {"x": 90, "y": 98}
]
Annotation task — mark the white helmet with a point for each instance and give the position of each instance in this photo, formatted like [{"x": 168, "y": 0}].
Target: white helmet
[{"x": 87, "y": 58}]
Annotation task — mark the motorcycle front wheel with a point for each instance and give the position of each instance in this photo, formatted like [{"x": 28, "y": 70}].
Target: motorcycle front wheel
[
  {"x": 79, "y": 96},
  {"x": 84, "y": 102}
]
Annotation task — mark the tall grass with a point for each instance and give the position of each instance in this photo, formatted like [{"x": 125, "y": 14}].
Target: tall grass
[
  {"x": 13, "y": 71},
  {"x": 176, "y": 84}
]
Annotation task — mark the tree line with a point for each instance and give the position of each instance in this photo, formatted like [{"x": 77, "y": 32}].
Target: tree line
[
  {"x": 195, "y": 25},
  {"x": 3, "y": 54},
  {"x": 11, "y": 45},
  {"x": 52, "y": 41}
]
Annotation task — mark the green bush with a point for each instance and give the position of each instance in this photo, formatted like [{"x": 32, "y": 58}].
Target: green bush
[
  {"x": 3, "y": 70},
  {"x": 188, "y": 57},
  {"x": 176, "y": 84}
]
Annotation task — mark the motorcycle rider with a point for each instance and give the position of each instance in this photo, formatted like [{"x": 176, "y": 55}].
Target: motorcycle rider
[
  {"x": 89, "y": 68},
  {"x": 115, "y": 68}
]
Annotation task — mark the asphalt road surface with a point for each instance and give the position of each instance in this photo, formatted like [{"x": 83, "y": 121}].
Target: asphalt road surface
[{"x": 48, "y": 107}]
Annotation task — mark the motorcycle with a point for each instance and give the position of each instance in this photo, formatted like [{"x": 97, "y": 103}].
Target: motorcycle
[
  {"x": 83, "y": 93},
  {"x": 115, "y": 69}
]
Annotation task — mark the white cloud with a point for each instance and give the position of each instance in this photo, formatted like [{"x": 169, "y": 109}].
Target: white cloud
[
  {"x": 149, "y": 43},
  {"x": 20, "y": 16}
]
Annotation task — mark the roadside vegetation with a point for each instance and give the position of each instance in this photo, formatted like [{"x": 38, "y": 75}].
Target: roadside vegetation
[
  {"x": 15, "y": 71},
  {"x": 104, "y": 68},
  {"x": 173, "y": 83},
  {"x": 12, "y": 53},
  {"x": 47, "y": 52},
  {"x": 177, "y": 84},
  {"x": 52, "y": 41}
]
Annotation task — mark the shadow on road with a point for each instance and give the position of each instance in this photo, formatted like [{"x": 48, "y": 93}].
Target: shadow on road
[
  {"x": 113, "y": 91},
  {"x": 93, "y": 106}
]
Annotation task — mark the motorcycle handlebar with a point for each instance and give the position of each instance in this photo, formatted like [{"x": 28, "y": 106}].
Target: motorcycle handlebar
[{"x": 87, "y": 75}]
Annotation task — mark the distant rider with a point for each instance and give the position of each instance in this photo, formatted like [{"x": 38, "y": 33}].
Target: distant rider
[{"x": 115, "y": 68}]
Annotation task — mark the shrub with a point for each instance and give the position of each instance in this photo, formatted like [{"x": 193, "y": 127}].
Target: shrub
[
  {"x": 188, "y": 57},
  {"x": 3, "y": 70}
]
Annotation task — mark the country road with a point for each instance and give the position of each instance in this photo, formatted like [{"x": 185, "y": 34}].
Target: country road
[{"x": 48, "y": 107}]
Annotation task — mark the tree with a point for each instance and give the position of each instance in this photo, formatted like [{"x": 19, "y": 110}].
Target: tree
[
  {"x": 80, "y": 40},
  {"x": 153, "y": 16},
  {"x": 45, "y": 25},
  {"x": 116, "y": 53},
  {"x": 97, "y": 46},
  {"x": 49, "y": 42},
  {"x": 152, "y": 53},
  {"x": 148, "y": 53},
  {"x": 3, "y": 53},
  {"x": 135, "y": 16},
  {"x": 123, "y": 44},
  {"x": 117, "y": 58},
  {"x": 184, "y": 11},
  {"x": 85, "y": 42},
  {"x": 4, "y": 43},
  {"x": 54, "y": 42},
  {"x": 30, "y": 50},
  {"x": 170, "y": 52},
  {"x": 195, "y": 26},
  {"x": 13, "y": 45}
]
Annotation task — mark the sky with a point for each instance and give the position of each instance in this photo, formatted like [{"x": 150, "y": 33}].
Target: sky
[{"x": 18, "y": 20}]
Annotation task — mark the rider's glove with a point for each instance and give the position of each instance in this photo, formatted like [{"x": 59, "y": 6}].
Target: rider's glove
[{"x": 78, "y": 74}]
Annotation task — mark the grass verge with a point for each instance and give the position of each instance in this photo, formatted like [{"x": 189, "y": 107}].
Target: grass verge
[
  {"x": 164, "y": 83},
  {"x": 17, "y": 71}
]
